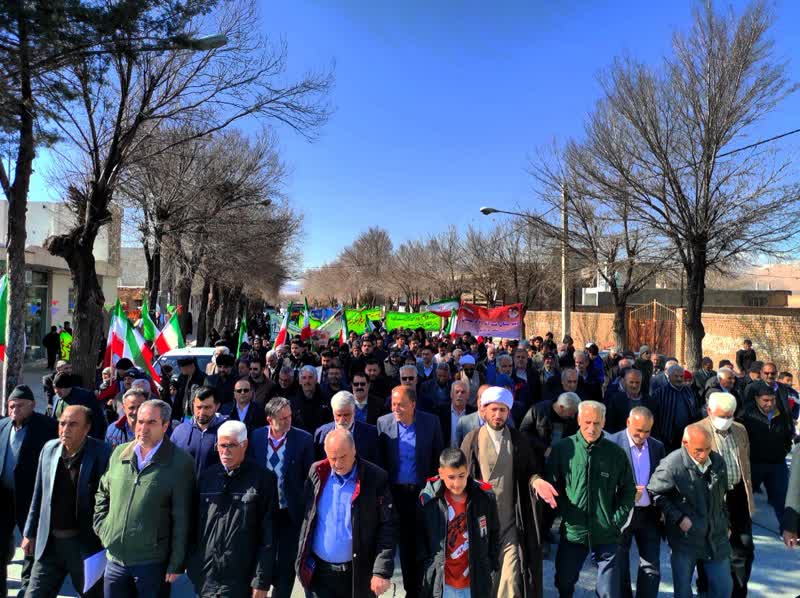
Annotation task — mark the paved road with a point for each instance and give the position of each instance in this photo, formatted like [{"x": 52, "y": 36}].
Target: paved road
[{"x": 776, "y": 571}]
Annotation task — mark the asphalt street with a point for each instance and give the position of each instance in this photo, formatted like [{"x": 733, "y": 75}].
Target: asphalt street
[{"x": 776, "y": 570}]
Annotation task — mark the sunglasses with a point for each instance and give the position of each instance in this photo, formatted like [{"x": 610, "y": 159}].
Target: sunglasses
[
  {"x": 241, "y": 391},
  {"x": 359, "y": 384},
  {"x": 408, "y": 378}
]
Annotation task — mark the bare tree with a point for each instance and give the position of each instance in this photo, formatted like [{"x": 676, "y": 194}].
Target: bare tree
[
  {"x": 663, "y": 141},
  {"x": 115, "y": 114},
  {"x": 367, "y": 261}
]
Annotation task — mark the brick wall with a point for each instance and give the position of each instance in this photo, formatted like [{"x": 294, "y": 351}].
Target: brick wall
[{"x": 595, "y": 326}]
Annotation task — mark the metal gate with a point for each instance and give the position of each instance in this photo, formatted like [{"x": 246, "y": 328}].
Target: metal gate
[{"x": 652, "y": 324}]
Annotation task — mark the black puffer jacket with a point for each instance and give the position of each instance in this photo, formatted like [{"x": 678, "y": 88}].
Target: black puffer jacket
[
  {"x": 233, "y": 550},
  {"x": 483, "y": 528}
]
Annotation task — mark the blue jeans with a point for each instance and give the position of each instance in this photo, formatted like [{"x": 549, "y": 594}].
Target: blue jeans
[
  {"x": 644, "y": 529},
  {"x": 775, "y": 477},
  {"x": 720, "y": 583},
  {"x": 569, "y": 561},
  {"x": 135, "y": 581},
  {"x": 450, "y": 592}
]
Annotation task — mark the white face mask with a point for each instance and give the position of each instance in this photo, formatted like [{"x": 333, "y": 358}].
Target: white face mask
[{"x": 722, "y": 423}]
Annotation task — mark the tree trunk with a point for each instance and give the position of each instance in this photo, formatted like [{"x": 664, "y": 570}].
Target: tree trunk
[
  {"x": 183, "y": 295},
  {"x": 213, "y": 306},
  {"x": 224, "y": 307},
  {"x": 17, "y": 195},
  {"x": 695, "y": 295},
  {"x": 620, "y": 325},
  {"x": 76, "y": 248},
  {"x": 154, "y": 269},
  {"x": 202, "y": 323}
]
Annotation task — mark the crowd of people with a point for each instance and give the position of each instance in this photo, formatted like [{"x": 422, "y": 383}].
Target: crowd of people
[{"x": 317, "y": 464}]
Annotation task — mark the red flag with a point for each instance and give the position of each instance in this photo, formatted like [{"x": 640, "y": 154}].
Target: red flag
[
  {"x": 305, "y": 331},
  {"x": 284, "y": 331}
]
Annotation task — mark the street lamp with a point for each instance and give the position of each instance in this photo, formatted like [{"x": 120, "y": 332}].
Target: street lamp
[{"x": 566, "y": 317}]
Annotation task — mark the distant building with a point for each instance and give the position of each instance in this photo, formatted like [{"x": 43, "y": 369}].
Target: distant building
[{"x": 51, "y": 296}]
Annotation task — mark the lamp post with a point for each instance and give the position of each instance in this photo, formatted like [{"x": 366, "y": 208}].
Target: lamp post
[{"x": 566, "y": 316}]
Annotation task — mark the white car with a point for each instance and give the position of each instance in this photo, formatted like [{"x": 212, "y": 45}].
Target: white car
[{"x": 202, "y": 355}]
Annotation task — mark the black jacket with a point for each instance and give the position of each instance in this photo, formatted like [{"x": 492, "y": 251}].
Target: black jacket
[
  {"x": 310, "y": 414},
  {"x": 744, "y": 359},
  {"x": 483, "y": 528},
  {"x": 233, "y": 552},
  {"x": 538, "y": 425},
  {"x": 85, "y": 397},
  {"x": 254, "y": 418},
  {"x": 618, "y": 407},
  {"x": 17, "y": 503},
  {"x": 223, "y": 389},
  {"x": 527, "y": 509},
  {"x": 770, "y": 441},
  {"x": 373, "y": 524}
]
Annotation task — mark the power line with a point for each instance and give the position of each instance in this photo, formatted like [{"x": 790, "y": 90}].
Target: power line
[{"x": 757, "y": 143}]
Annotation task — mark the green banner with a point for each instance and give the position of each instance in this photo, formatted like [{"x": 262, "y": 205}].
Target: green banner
[
  {"x": 373, "y": 313},
  {"x": 411, "y": 321},
  {"x": 356, "y": 320}
]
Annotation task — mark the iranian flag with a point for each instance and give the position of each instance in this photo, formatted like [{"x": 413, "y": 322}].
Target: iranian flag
[
  {"x": 444, "y": 307},
  {"x": 3, "y": 315},
  {"x": 125, "y": 341},
  {"x": 242, "y": 335},
  {"x": 149, "y": 329},
  {"x": 344, "y": 331},
  {"x": 283, "y": 333},
  {"x": 452, "y": 322},
  {"x": 305, "y": 331},
  {"x": 170, "y": 336}
]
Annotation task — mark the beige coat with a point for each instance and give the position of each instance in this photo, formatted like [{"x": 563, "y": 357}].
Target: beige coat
[{"x": 743, "y": 457}]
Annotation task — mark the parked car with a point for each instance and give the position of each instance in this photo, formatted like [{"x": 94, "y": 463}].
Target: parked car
[{"x": 202, "y": 355}]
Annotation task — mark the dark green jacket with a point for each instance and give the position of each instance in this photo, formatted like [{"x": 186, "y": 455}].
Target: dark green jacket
[
  {"x": 596, "y": 489},
  {"x": 143, "y": 516}
]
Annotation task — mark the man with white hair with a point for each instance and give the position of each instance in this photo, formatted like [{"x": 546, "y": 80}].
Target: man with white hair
[
  {"x": 343, "y": 406},
  {"x": 724, "y": 381},
  {"x": 690, "y": 486},
  {"x": 594, "y": 483},
  {"x": 661, "y": 379},
  {"x": 673, "y": 408},
  {"x": 503, "y": 458},
  {"x": 234, "y": 549},
  {"x": 450, "y": 415},
  {"x": 547, "y": 422},
  {"x": 730, "y": 440}
]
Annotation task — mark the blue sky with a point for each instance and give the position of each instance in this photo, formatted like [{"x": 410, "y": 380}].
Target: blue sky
[{"x": 438, "y": 105}]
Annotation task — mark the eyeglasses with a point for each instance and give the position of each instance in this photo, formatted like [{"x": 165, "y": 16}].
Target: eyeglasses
[
  {"x": 408, "y": 378},
  {"x": 229, "y": 447},
  {"x": 241, "y": 391},
  {"x": 359, "y": 384},
  {"x": 769, "y": 373},
  {"x": 255, "y": 369}
]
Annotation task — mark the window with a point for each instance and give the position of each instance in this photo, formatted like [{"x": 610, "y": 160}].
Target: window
[{"x": 757, "y": 302}]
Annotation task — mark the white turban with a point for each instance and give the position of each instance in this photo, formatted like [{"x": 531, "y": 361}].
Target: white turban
[
  {"x": 497, "y": 394},
  {"x": 467, "y": 360}
]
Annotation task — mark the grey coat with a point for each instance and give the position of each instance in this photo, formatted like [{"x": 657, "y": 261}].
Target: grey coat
[
  {"x": 680, "y": 490},
  {"x": 791, "y": 515}
]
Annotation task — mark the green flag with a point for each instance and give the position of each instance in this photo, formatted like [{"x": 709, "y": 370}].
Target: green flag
[
  {"x": 242, "y": 335},
  {"x": 149, "y": 329}
]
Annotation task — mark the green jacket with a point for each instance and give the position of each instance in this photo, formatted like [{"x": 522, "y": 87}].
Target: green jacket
[
  {"x": 143, "y": 516},
  {"x": 596, "y": 489}
]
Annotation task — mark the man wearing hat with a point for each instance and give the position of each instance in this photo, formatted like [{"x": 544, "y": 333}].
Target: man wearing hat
[
  {"x": 23, "y": 434},
  {"x": 471, "y": 376},
  {"x": 503, "y": 457},
  {"x": 70, "y": 394},
  {"x": 644, "y": 364},
  {"x": 223, "y": 381},
  {"x": 191, "y": 377}
]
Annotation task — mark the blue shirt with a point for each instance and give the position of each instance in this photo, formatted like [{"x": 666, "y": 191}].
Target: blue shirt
[
  {"x": 333, "y": 536},
  {"x": 407, "y": 452}
]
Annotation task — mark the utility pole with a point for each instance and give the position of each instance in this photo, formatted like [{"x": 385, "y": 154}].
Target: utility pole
[{"x": 565, "y": 287}]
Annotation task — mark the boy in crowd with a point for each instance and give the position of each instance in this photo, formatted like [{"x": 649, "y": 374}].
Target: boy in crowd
[{"x": 466, "y": 511}]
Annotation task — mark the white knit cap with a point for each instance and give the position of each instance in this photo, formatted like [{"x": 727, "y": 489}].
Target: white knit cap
[{"x": 497, "y": 394}]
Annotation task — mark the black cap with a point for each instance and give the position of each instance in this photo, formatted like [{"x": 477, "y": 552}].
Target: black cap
[
  {"x": 62, "y": 380},
  {"x": 226, "y": 359},
  {"x": 182, "y": 361},
  {"x": 132, "y": 373},
  {"x": 124, "y": 364},
  {"x": 22, "y": 392}
]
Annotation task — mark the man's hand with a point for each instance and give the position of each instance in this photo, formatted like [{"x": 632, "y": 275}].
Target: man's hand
[
  {"x": 259, "y": 593},
  {"x": 545, "y": 491},
  {"x": 171, "y": 577},
  {"x": 790, "y": 539},
  {"x": 379, "y": 585},
  {"x": 685, "y": 524},
  {"x": 28, "y": 546},
  {"x": 639, "y": 491}
]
